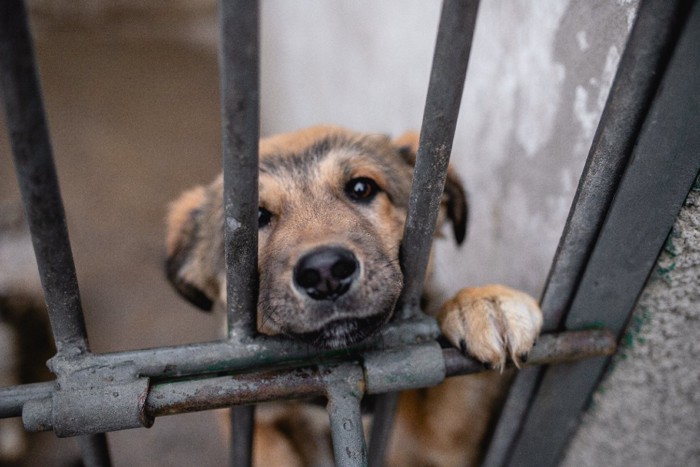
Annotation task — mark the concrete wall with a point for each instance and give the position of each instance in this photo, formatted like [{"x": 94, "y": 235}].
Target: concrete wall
[{"x": 647, "y": 411}]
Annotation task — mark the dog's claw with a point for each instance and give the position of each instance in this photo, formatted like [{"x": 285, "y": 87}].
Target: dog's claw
[
  {"x": 496, "y": 321},
  {"x": 463, "y": 346}
]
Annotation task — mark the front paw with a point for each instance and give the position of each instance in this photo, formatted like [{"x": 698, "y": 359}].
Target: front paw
[{"x": 492, "y": 322}]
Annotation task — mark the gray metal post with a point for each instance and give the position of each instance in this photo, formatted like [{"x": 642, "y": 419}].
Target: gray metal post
[
  {"x": 239, "y": 64},
  {"x": 41, "y": 197},
  {"x": 94, "y": 450},
  {"x": 38, "y": 182},
  {"x": 452, "y": 47},
  {"x": 449, "y": 68},
  {"x": 345, "y": 391}
]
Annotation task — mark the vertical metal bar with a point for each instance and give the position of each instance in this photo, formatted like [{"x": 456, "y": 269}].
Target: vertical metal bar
[
  {"x": 37, "y": 179},
  {"x": 94, "y": 450},
  {"x": 449, "y": 69},
  {"x": 239, "y": 64},
  {"x": 636, "y": 82},
  {"x": 663, "y": 167},
  {"x": 239, "y": 70},
  {"x": 382, "y": 424},
  {"x": 41, "y": 197},
  {"x": 345, "y": 391},
  {"x": 242, "y": 422},
  {"x": 452, "y": 47}
]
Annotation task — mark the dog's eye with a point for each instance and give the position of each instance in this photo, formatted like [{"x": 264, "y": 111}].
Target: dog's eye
[
  {"x": 361, "y": 189},
  {"x": 264, "y": 217}
]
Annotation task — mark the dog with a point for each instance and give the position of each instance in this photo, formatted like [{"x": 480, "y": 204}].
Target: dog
[{"x": 332, "y": 207}]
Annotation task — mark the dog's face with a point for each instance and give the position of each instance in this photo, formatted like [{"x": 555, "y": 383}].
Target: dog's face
[{"x": 332, "y": 207}]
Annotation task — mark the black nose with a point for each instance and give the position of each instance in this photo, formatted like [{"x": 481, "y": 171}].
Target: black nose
[{"x": 326, "y": 273}]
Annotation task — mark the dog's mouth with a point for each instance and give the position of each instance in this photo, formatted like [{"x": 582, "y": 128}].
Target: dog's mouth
[{"x": 342, "y": 333}]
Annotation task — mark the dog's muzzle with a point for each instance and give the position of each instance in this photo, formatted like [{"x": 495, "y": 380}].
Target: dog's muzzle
[{"x": 326, "y": 273}]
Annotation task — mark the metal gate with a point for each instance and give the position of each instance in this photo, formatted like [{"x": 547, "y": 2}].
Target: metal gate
[{"x": 641, "y": 166}]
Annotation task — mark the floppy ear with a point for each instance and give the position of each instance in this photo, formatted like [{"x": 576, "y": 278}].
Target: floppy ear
[
  {"x": 194, "y": 248},
  {"x": 454, "y": 199}
]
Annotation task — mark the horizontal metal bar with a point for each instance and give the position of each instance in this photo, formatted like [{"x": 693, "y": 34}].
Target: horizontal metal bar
[
  {"x": 38, "y": 182},
  {"x": 239, "y": 70},
  {"x": 170, "y": 398},
  {"x": 452, "y": 48},
  {"x": 550, "y": 349},
  {"x": 260, "y": 352},
  {"x": 193, "y": 395},
  {"x": 13, "y": 398},
  {"x": 176, "y": 396}
]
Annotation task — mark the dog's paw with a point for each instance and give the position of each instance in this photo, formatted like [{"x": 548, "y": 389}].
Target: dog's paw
[{"x": 491, "y": 323}]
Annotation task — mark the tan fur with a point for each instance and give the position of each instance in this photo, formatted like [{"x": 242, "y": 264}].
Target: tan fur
[
  {"x": 494, "y": 322},
  {"x": 179, "y": 214},
  {"x": 303, "y": 183}
]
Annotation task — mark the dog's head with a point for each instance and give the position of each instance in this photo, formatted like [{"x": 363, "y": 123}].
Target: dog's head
[{"x": 332, "y": 209}]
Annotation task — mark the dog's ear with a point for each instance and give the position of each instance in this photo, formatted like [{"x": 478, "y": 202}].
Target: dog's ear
[
  {"x": 191, "y": 248},
  {"x": 455, "y": 198}
]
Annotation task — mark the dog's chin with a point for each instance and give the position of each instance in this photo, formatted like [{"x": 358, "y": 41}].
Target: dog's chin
[{"x": 343, "y": 333}]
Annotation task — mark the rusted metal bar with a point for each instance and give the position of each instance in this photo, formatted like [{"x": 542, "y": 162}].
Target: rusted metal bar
[
  {"x": 41, "y": 197},
  {"x": 638, "y": 75},
  {"x": 213, "y": 357},
  {"x": 382, "y": 424},
  {"x": 167, "y": 398},
  {"x": 345, "y": 389},
  {"x": 38, "y": 182},
  {"x": 449, "y": 68},
  {"x": 550, "y": 349},
  {"x": 13, "y": 398},
  {"x": 242, "y": 420},
  {"x": 173, "y": 396},
  {"x": 240, "y": 97},
  {"x": 178, "y": 396}
]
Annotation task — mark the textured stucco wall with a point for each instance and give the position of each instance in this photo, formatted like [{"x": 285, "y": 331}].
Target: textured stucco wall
[{"x": 647, "y": 411}]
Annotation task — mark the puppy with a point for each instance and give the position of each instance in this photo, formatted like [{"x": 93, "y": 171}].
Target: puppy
[{"x": 331, "y": 215}]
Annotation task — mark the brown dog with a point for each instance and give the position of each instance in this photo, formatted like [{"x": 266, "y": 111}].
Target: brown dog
[{"x": 332, "y": 209}]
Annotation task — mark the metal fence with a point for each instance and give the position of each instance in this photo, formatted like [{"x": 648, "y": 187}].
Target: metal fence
[{"x": 641, "y": 166}]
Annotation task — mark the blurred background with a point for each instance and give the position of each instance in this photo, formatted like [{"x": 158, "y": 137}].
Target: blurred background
[{"x": 131, "y": 92}]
